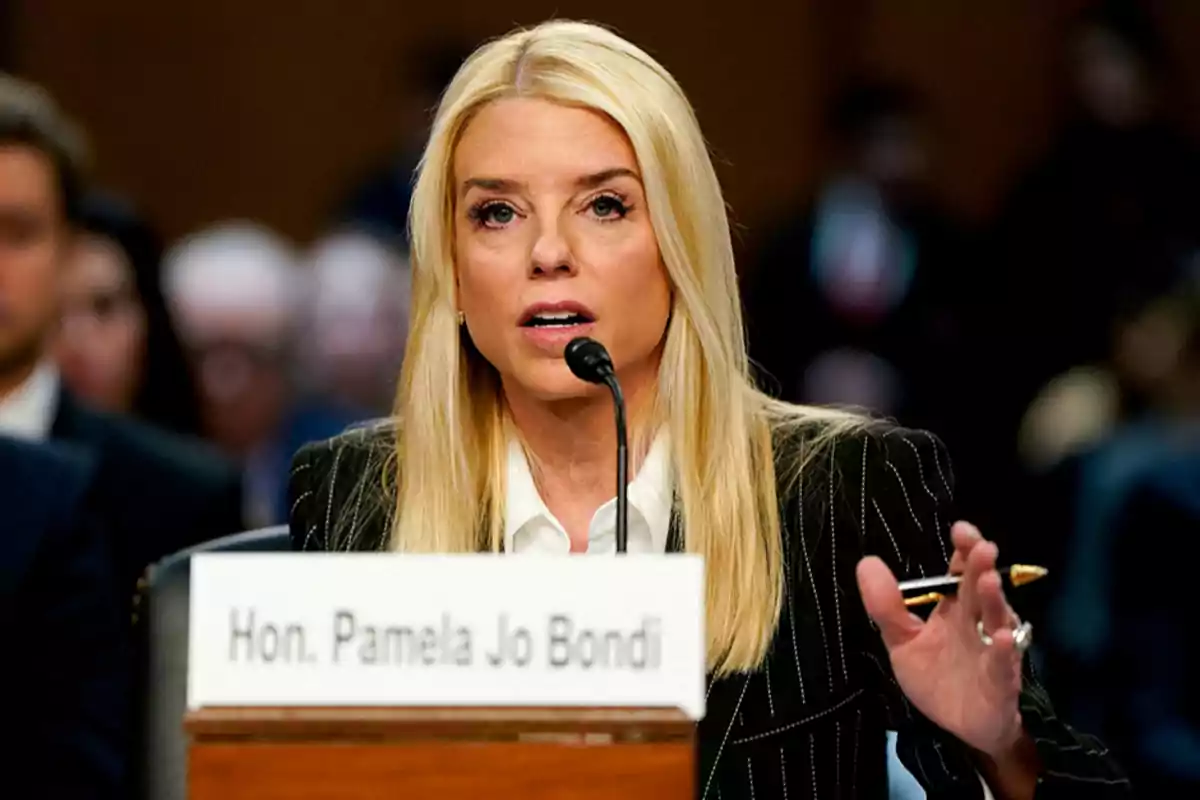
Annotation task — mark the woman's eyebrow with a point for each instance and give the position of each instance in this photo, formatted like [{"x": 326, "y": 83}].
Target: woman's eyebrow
[
  {"x": 596, "y": 178},
  {"x": 508, "y": 185},
  {"x": 491, "y": 185}
]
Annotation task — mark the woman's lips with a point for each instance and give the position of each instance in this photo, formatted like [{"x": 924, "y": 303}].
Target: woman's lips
[
  {"x": 554, "y": 338},
  {"x": 545, "y": 308}
]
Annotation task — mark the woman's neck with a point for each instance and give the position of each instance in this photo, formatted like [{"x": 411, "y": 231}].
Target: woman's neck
[
  {"x": 573, "y": 448},
  {"x": 573, "y": 443}
]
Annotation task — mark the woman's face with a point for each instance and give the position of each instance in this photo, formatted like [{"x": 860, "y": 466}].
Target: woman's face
[
  {"x": 553, "y": 241},
  {"x": 101, "y": 345}
]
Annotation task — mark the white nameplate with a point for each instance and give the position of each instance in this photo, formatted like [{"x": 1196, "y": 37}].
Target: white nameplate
[{"x": 357, "y": 629}]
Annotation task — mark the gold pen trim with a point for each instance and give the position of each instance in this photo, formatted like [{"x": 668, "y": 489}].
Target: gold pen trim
[
  {"x": 922, "y": 600},
  {"x": 1021, "y": 574},
  {"x": 1018, "y": 575}
]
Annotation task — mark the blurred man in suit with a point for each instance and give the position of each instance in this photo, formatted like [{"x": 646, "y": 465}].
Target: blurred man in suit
[
  {"x": 64, "y": 662},
  {"x": 156, "y": 494},
  {"x": 1151, "y": 709}
]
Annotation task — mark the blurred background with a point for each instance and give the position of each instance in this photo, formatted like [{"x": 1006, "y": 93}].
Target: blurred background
[{"x": 980, "y": 218}]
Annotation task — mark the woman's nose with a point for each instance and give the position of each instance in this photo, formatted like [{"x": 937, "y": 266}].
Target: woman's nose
[{"x": 551, "y": 252}]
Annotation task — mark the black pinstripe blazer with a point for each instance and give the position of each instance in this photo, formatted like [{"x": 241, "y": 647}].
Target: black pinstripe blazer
[{"x": 811, "y": 721}]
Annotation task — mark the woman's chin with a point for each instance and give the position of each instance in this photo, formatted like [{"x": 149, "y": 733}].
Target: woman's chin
[{"x": 551, "y": 382}]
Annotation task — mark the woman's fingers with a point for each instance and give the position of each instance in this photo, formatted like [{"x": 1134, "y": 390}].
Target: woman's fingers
[
  {"x": 884, "y": 603},
  {"x": 980, "y": 560},
  {"x": 964, "y": 536},
  {"x": 993, "y": 607}
]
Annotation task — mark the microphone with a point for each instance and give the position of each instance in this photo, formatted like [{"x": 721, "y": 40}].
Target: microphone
[{"x": 590, "y": 362}]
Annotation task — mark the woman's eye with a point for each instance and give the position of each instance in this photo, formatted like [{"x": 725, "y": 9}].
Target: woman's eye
[
  {"x": 493, "y": 215},
  {"x": 500, "y": 214},
  {"x": 608, "y": 207}
]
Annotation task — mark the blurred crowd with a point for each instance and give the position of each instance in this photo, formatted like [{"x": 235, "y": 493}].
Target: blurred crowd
[{"x": 1056, "y": 349}]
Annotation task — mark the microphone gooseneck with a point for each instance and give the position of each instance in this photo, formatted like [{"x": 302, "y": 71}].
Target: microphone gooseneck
[{"x": 589, "y": 361}]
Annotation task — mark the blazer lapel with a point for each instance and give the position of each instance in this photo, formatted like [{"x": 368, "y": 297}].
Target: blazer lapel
[
  {"x": 28, "y": 496},
  {"x": 23, "y": 520},
  {"x": 68, "y": 424},
  {"x": 72, "y": 432}
]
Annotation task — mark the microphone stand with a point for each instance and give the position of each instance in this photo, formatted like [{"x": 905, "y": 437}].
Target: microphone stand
[
  {"x": 610, "y": 380},
  {"x": 589, "y": 361}
]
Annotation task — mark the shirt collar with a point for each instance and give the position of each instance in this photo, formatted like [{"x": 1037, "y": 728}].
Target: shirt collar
[
  {"x": 28, "y": 412},
  {"x": 651, "y": 493},
  {"x": 522, "y": 502}
]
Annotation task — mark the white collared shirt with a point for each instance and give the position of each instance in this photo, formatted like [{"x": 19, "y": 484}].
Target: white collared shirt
[
  {"x": 28, "y": 412},
  {"x": 530, "y": 527}
]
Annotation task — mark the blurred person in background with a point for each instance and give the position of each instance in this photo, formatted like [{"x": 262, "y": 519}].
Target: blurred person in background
[
  {"x": 118, "y": 348},
  {"x": 379, "y": 202},
  {"x": 356, "y": 321},
  {"x": 65, "y": 663},
  {"x": 1153, "y": 704},
  {"x": 1131, "y": 509},
  {"x": 238, "y": 292},
  {"x": 152, "y": 493},
  {"x": 156, "y": 493},
  {"x": 1101, "y": 228},
  {"x": 1102, "y": 491},
  {"x": 858, "y": 299},
  {"x": 1102, "y": 225}
]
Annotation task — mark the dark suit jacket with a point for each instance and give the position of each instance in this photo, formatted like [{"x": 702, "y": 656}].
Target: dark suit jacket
[
  {"x": 1152, "y": 703},
  {"x": 155, "y": 492},
  {"x": 811, "y": 721},
  {"x": 64, "y": 668}
]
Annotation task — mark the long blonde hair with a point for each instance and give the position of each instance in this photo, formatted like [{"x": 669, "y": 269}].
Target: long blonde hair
[{"x": 451, "y": 429}]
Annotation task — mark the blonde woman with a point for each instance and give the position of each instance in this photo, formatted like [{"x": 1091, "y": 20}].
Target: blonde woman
[{"x": 566, "y": 190}]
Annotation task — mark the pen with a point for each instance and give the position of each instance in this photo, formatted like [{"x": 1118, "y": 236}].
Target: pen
[{"x": 930, "y": 590}]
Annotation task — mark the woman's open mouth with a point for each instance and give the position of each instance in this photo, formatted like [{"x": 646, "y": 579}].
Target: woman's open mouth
[{"x": 551, "y": 326}]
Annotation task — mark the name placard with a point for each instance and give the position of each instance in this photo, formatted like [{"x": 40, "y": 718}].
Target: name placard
[{"x": 357, "y": 629}]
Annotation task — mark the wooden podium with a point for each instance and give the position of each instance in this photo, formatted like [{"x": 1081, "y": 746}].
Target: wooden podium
[{"x": 440, "y": 753}]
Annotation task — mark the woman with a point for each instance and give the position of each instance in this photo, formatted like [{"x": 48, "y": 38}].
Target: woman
[
  {"x": 118, "y": 348},
  {"x": 566, "y": 191}
]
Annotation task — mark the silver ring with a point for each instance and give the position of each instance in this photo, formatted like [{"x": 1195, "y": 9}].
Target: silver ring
[{"x": 1022, "y": 636}]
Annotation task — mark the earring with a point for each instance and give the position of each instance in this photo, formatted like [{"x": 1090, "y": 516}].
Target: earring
[{"x": 462, "y": 318}]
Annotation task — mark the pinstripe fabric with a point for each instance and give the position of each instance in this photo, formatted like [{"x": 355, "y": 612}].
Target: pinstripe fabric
[{"x": 811, "y": 722}]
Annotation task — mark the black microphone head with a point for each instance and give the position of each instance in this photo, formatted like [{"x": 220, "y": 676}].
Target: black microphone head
[{"x": 588, "y": 359}]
